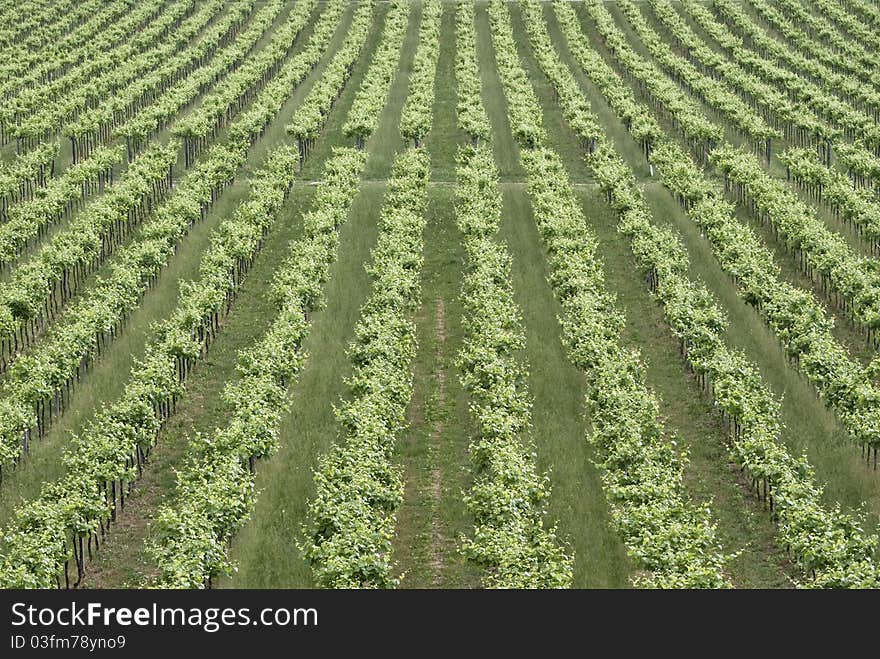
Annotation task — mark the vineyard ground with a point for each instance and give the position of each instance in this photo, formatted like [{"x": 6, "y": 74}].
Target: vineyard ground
[{"x": 432, "y": 452}]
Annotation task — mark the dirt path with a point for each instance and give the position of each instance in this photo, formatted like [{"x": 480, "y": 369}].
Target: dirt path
[
  {"x": 438, "y": 541},
  {"x": 433, "y": 451}
]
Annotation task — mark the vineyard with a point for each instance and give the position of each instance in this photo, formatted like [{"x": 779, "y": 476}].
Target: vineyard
[{"x": 439, "y": 294}]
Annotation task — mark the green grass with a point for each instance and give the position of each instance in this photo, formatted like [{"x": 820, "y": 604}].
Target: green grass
[
  {"x": 506, "y": 151},
  {"x": 433, "y": 451},
  {"x": 577, "y": 501},
  {"x": 387, "y": 137},
  {"x": 443, "y": 141}
]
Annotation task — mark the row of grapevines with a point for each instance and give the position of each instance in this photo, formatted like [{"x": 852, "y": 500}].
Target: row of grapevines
[
  {"x": 770, "y": 50},
  {"x": 669, "y": 537},
  {"x": 93, "y": 125},
  {"x": 415, "y": 122},
  {"x": 136, "y": 38},
  {"x": 114, "y": 444},
  {"x": 107, "y": 457},
  {"x": 522, "y": 104},
  {"x": 853, "y": 62},
  {"x": 796, "y": 318},
  {"x": 837, "y": 116},
  {"x": 569, "y": 97},
  {"x": 508, "y": 497},
  {"x": 828, "y": 545},
  {"x": 20, "y": 178},
  {"x": 61, "y": 265},
  {"x": 803, "y": 125},
  {"x": 60, "y": 52},
  {"x": 822, "y": 254},
  {"x": 358, "y": 487},
  {"x": 309, "y": 120},
  {"x": 49, "y": 117},
  {"x": 167, "y": 104},
  {"x": 215, "y": 489},
  {"x": 855, "y": 206},
  {"x": 34, "y": 287},
  {"x": 327, "y": 88},
  {"x": 714, "y": 93},
  {"x": 800, "y": 124},
  {"x": 363, "y": 118},
  {"x": 240, "y": 86},
  {"x": 29, "y": 220},
  {"x": 168, "y": 30},
  {"x": 93, "y": 320},
  {"x": 683, "y": 111},
  {"x": 859, "y": 53},
  {"x": 109, "y": 37},
  {"x": 472, "y": 118},
  {"x": 644, "y": 128},
  {"x": 573, "y": 103},
  {"x": 641, "y": 125},
  {"x": 861, "y": 164},
  {"x": 92, "y": 115},
  {"x": 43, "y": 24}
]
